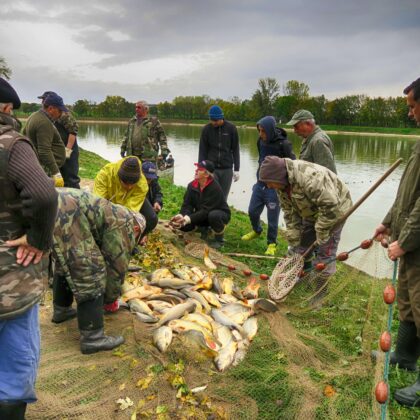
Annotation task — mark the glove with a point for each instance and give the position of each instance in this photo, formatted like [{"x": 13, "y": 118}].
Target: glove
[
  {"x": 112, "y": 307},
  {"x": 187, "y": 220},
  {"x": 58, "y": 180},
  {"x": 68, "y": 152},
  {"x": 122, "y": 154},
  {"x": 235, "y": 176}
]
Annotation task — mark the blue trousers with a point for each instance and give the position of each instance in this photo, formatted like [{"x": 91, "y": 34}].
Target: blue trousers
[
  {"x": 19, "y": 356},
  {"x": 264, "y": 197},
  {"x": 70, "y": 169}
]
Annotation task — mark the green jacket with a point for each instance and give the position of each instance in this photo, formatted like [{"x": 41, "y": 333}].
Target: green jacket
[
  {"x": 315, "y": 194},
  {"x": 93, "y": 243},
  {"x": 143, "y": 140},
  {"x": 47, "y": 141},
  {"x": 404, "y": 216},
  {"x": 318, "y": 148}
]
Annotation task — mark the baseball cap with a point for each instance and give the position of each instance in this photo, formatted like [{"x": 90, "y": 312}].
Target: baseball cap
[
  {"x": 149, "y": 170},
  {"x": 55, "y": 100},
  {"x": 208, "y": 165},
  {"x": 8, "y": 94},
  {"x": 46, "y": 93},
  {"x": 301, "y": 115}
]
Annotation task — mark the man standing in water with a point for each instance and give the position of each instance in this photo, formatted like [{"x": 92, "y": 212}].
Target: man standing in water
[
  {"x": 219, "y": 143},
  {"x": 402, "y": 224},
  {"x": 144, "y": 136}
]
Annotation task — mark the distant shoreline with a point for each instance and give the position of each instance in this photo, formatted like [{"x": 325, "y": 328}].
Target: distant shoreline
[{"x": 246, "y": 126}]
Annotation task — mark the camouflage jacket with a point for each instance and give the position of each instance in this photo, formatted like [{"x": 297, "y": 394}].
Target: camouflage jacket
[
  {"x": 404, "y": 216},
  {"x": 144, "y": 139},
  {"x": 47, "y": 141},
  {"x": 315, "y": 194},
  {"x": 66, "y": 125},
  {"x": 318, "y": 148},
  {"x": 93, "y": 243},
  {"x": 20, "y": 287}
]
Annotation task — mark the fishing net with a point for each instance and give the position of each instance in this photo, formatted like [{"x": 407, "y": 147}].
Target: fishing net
[{"x": 310, "y": 359}]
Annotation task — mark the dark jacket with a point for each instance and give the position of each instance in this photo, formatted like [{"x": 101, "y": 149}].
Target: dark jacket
[
  {"x": 154, "y": 195},
  {"x": 404, "y": 216},
  {"x": 197, "y": 204},
  {"x": 277, "y": 143},
  {"x": 220, "y": 145}
]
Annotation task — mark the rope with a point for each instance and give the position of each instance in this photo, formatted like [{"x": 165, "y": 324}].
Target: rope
[{"x": 388, "y": 353}]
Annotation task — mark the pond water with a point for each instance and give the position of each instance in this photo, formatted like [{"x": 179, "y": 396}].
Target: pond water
[{"x": 360, "y": 161}]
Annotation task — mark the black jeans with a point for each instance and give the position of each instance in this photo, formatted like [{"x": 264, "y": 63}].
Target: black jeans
[
  {"x": 70, "y": 169},
  {"x": 224, "y": 178},
  {"x": 216, "y": 219},
  {"x": 150, "y": 215}
]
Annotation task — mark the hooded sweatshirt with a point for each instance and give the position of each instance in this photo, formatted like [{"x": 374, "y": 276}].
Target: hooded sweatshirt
[{"x": 277, "y": 143}]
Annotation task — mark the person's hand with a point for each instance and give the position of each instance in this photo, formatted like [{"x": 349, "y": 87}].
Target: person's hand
[
  {"x": 68, "y": 152},
  {"x": 26, "y": 254},
  {"x": 157, "y": 207},
  {"x": 395, "y": 251},
  {"x": 143, "y": 241},
  {"x": 112, "y": 307},
  {"x": 58, "y": 180},
  {"x": 177, "y": 221},
  {"x": 187, "y": 220},
  {"x": 235, "y": 176},
  {"x": 381, "y": 233}
]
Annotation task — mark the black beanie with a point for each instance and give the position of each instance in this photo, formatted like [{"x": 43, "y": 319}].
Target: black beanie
[
  {"x": 8, "y": 94},
  {"x": 129, "y": 171},
  {"x": 273, "y": 169}
]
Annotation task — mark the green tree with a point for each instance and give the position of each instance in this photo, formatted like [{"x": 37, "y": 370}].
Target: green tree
[
  {"x": 298, "y": 90},
  {"x": 266, "y": 95},
  {"x": 5, "y": 70}
]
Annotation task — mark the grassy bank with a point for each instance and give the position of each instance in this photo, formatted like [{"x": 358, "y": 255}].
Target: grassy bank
[{"x": 332, "y": 345}]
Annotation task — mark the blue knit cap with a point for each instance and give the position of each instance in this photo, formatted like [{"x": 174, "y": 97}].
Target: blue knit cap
[{"x": 216, "y": 113}]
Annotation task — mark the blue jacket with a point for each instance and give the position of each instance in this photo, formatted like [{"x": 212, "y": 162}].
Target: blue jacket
[{"x": 277, "y": 143}]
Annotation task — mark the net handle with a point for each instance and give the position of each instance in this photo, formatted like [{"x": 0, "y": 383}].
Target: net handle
[{"x": 359, "y": 202}]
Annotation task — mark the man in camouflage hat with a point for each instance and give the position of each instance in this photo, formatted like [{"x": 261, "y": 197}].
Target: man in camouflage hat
[
  {"x": 402, "y": 226},
  {"x": 313, "y": 194},
  {"x": 28, "y": 205},
  {"x": 317, "y": 147},
  {"x": 45, "y": 137},
  {"x": 67, "y": 128},
  {"x": 144, "y": 136},
  {"x": 93, "y": 243}
]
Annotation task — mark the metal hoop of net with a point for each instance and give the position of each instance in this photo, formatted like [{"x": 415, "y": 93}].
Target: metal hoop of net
[{"x": 284, "y": 276}]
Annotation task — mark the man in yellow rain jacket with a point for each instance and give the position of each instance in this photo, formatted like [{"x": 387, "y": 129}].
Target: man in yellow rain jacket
[{"x": 123, "y": 183}]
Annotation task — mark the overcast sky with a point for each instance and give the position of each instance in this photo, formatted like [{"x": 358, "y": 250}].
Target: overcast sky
[{"x": 158, "y": 49}]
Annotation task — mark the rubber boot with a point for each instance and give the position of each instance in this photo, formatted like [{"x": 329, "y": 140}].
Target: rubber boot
[
  {"x": 410, "y": 395},
  {"x": 91, "y": 325},
  {"x": 204, "y": 232},
  {"x": 218, "y": 241},
  {"x": 13, "y": 411},
  {"x": 62, "y": 300},
  {"x": 407, "y": 349}
]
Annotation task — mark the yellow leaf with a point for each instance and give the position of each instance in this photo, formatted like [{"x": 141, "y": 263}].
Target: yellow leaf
[
  {"x": 121, "y": 387},
  {"x": 141, "y": 404},
  {"x": 144, "y": 382},
  {"x": 92, "y": 367},
  {"x": 134, "y": 415},
  {"x": 134, "y": 363},
  {"x": 150, "y": 397},
  {"x": 160, "y": 409},
  {"x": 329, "y": 391}
]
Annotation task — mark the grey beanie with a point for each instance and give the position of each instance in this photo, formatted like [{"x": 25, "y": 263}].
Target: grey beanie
[{"x": 273, "y": 169}]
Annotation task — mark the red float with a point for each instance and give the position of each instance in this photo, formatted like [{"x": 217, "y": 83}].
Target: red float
[
  {"x": 264, "y": 277},
  {"x": 385, "y": 341},
  {"x": 343, "y": 256},
  {"x": 389, "y": 294},
  {"x": 320, "y": 266},
  {"x": 247, "y": 272},
  {"x": 381, "y": 392},
  {"x": 367, "y": 243},
  {"x": 231, "y": 267}
]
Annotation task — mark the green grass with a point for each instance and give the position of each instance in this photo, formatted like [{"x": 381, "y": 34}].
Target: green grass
[{"x": 341, "y": 333}]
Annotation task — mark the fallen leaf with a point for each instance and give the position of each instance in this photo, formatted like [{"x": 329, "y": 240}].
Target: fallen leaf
[
  {"x": 121, "y": 387},
  {"x": 329, "y": 391},
  {"x": 125, "y": 403},
  {"x": 92, "y": 367},
  {"x": 160, "y": 409},
  {"x": 144, "y": 382}
]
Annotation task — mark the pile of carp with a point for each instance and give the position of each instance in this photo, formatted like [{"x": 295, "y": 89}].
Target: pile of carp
[{"x": 206, "y": 309}]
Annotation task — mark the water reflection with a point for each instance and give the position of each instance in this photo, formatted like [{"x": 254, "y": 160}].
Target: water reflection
[{"x": 361, "y": 160}]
